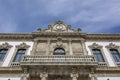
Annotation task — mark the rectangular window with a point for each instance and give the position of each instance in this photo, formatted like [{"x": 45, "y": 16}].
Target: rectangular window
[
  {"x": 98, "y": 55},
  {"x": 19, "y": 55},
  {"x": 115, "y": 55},
  {"x": 2, "y": 54}
]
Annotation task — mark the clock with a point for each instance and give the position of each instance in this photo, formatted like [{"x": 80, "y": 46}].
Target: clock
[{"x": 59, "y": 27}]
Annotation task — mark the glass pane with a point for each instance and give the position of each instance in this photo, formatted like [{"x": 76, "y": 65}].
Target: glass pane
[
  {"x": 19, "y": 55},
  {"x": 2, "y": 54},
  {"x": 115, "y": 55},
  {"x": 98, "y": 55},
  {"x": 59, "y": 51}
]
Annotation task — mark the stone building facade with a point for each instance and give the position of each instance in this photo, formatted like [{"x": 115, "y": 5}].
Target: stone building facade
[{"x": 59, "y": 53}]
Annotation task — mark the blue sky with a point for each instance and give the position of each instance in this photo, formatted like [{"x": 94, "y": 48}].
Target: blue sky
[{"x": 92, "y": 16}]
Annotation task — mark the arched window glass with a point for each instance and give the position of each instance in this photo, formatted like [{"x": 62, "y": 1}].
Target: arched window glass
[
  {"x": 19, "y": 55},
  {"x": 98, "y": 55},
  {"x": 115, "y": 55},
  {"x": 59, "y": 51},
  {"x": 2, "y": 54}
]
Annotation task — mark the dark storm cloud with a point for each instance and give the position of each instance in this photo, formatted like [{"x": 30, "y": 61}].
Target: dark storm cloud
[{"x": 93, "y": 16}]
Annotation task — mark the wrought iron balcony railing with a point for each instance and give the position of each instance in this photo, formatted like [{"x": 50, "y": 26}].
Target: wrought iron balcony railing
[{"x": 58, "y": 60}]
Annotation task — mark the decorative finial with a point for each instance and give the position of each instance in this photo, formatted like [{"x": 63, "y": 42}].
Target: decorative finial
[
  {"x": 39, "y": 29},
  {"x": 79, "y": 29}
]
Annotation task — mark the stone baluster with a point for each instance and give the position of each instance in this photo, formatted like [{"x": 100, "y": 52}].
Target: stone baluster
[{"x": 43, "y": 76}]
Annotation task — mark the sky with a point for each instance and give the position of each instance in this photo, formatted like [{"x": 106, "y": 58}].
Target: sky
[{"x": 92, "y": 16}]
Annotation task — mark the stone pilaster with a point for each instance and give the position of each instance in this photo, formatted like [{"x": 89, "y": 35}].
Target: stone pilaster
[
  {"x": 84, "y": 47},
  {"x": 43, "y": 76},
  {"x": 70, "y": 47},
  {"x": 48, "y": 47},
  {"x": 34, "y": 46}
]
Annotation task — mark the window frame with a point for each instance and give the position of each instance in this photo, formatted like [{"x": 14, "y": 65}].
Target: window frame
[
  {"x": 113, "y": 46},
  {"x": 5, "y": 46},
  {"x": 97, "y": 46},
  {"x": 118, "y": 54},
  {"x": 14, "y": 60},
  {"x": 59, "y": 48},
  {"x": 17, "y": 47},
  {"x": 103, "y": 60}
]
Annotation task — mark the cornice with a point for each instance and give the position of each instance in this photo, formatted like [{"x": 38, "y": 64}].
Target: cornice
[
  {"x": 10, "y": 70},
  {"x": 33, "y": 35},
  {"x": 15, "y": 36},
  {"x": 56, "y": 34},
  {"x": 102, "y": 37},
  {"x": 108, "y": 69}
]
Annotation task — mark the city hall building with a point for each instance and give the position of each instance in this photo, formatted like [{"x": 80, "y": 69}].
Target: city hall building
[{"x": 59, "y": 53}]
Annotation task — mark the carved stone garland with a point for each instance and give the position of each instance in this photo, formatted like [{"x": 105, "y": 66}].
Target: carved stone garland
[
  {"x": 112, "y": 46},
  {"x": 22, "y": 46},
  {"x": 95, "y": 46},
  {"x": 5, "y": 46}
]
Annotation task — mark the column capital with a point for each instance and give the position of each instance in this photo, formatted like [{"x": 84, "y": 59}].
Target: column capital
[
  {"x": 25, "y": 76},
  {"x": 74, "y": 75},
  {"x": 43, "y": 75}
]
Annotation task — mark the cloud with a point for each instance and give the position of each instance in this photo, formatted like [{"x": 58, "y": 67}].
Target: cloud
[{"x": 94, "y": 16}]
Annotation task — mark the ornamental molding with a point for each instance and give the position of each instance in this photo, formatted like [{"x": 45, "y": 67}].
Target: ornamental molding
[
  {"x": 112, "y": 46},
  {"x": 95, "y": 46},
  {"x": 22, "y": 46},
  {"x": 5, "y": 46}
]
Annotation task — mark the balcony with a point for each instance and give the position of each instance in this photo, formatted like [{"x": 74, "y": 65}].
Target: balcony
[{"x": 63, "y": 60}]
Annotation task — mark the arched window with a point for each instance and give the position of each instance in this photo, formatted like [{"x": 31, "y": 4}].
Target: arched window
[
  {"x": 2, "y": 54},
  {"x": 115, "y": 55},
  {"x": 59, "y": 51},
  {"x": 98, "y": 55},
  {"x": 19, "y": 55}
]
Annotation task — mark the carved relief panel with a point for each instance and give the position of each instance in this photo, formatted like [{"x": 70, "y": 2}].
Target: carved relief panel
[
  {"x": 55, "y": 44},
  {"x": 41, "y": 48},
  {"x": 77, "y": 48}
]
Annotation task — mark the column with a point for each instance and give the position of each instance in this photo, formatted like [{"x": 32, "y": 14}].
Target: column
[
  {"x": 70, "y": 47},
  {"x": 43, "y": 76},
  {"x": 74, "y": 76},
  {"x": 84, "y": 47}
]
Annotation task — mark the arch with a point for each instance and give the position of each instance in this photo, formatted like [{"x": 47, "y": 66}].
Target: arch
[{"x": 59, "y": 51}]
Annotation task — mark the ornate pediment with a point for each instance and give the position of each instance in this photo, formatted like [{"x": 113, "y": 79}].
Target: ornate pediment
[
  {"x": 23, "y": 46},
  {"x": 5, "y": 46},
  {"x": 59, "y": 26},
  {"x": 112, "y": 46},
  {"x": 95, "y": 46}
]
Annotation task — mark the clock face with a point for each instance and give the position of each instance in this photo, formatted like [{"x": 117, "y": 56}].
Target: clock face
[{"x": 59, "y": 27}]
